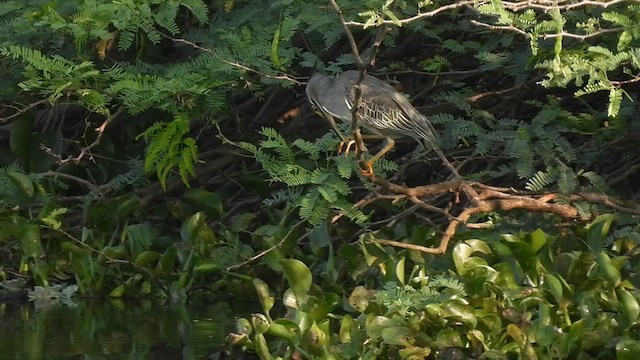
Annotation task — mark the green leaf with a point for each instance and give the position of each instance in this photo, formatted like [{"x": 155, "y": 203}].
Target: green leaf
[
  {"x": 630, "y": 306},
  {"x": 599, "y": 230},
  {"x": 22, "y": 182},
  {"x": 206, "y": 266},
  {"x": 167, "y": 263},
  {"x": 207, "y": 201},
  {"x": 284, "y": 329},
  {"x": 145, "y": 258},
  {"x": 462, "y": 255},
  {"x": 538, "y": 240},
  {"x": 118, "y": 292},
  {"x": 457, "y": 311},
  {"x": 627, "y": 349},
  {"x": 615, "y": 100},
  {"x": 374, "y": 325},
  {"x": 398, "y": 335},
  {"x": 298, "y": 276},
  {"x": 266, "y": 300},
  {"x": 346, "y": 326},
  {"x": 554, "y": 286},
  {"x": 448, "y": 338},
  {"x": 608, "y": 269},
  {"x": 30, "y": 240},
  {"x": 192, "y": 226}
]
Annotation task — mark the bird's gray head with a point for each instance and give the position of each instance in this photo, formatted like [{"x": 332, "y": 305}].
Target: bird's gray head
[{"x": 317, "y": 87}]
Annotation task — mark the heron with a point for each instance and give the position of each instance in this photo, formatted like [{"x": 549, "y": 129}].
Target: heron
[{"x": 384, "y": 112}]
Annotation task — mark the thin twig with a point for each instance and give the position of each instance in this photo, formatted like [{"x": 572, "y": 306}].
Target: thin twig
[
  {"x": 265, "y": 252},
  {"x": 362, "y": 67},
  {"x": 548, "y": 5},
  {"x": 90, "y": 185},
  {"x": 581, "y": 37},
  {"x": 23, "y": 110},
  {"x": 357, "y": 101},
  {"x": 286, "y": 77},
  {"x": 432, "y": 13}
]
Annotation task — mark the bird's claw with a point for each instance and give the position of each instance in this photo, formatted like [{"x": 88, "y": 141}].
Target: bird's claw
[
  {"x": 368, "y": 172},
  {"x": 349, "y": 145}
]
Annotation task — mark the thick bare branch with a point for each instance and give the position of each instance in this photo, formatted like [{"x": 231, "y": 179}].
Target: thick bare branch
[{"x": 483, "y": 199}]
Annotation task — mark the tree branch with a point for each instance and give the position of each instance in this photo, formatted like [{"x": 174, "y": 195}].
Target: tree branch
[
  {"x": 482, "y": 199},
  {"x": 23, "y": 110}
]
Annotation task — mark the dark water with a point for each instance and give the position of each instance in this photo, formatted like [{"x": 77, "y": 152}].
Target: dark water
[{"x": 114, "y": 330}]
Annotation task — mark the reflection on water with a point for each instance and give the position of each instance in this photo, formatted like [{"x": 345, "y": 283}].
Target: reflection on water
[{"x": 113, "y": 330}]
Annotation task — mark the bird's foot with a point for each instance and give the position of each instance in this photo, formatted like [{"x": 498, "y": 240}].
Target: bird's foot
[
  {"x": 349, "y": 142},
  {"x": 368, "y": 172}
]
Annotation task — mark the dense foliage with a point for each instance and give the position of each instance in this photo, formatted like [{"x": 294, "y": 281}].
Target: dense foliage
[{"x": 165, "y": 149}]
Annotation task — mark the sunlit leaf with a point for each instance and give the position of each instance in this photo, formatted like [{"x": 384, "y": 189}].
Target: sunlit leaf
[
  {"x": 298, "y": 276},
  {"x": 266, "y": 300}
]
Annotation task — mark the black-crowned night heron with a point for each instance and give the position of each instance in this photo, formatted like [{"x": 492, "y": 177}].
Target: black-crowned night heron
[{"x": 385, "y": 112}]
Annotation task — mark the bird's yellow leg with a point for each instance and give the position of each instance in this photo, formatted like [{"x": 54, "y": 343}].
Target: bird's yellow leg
[
  {"x": 388, "y": 146},
  {"x": 333, "y": 124},
  {"x": 350, "y": 141}
]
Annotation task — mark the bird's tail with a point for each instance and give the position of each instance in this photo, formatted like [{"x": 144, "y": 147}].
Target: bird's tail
[
  {"x": 426, "y": 132},
  {"x": 429, "y": 138}
]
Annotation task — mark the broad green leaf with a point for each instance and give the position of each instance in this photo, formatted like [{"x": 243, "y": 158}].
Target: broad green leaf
[
  {"x": 22, "y": 182},
  {"x": 462, "y": 255},
  {"x": 457, "y": 311},
  {"x": 284, "y": 329},
  {"x": 554, "y": 286},
  {"x": 30, "y": 240},
  {"x": 414, "y": 352},
  {"x": 608, "y": 269},
  {"x": 266, "y": 300},
  {"x": 398, "y": 335},
  {"x": 628, "y": 349},
  {"x": 346, "y": 326},
  {"x": 449, "y": 338},
  {"x": 630, "y": 306},
  {"x": 192, "y": 226},
  {"x": 598, "y": 231},
  {"x": 435, "y": 312},
  {"x": 118, "y": 292},
  {"x": 506, "y": 275},
  {"x": 167, "y": 263},
  {"x": 298, "y": 276},
  {"x": 315, "y": 339},
  {"x": 241, "y": 222},
  {"x": 145, "y": 258},
  {"x": 374, "y": 325},
  {"x": 538, "y": 240},
  {"x": 206, "y": 266},
  {"x": 208, "y": 202},
  {"x": 516, "y": 334}
]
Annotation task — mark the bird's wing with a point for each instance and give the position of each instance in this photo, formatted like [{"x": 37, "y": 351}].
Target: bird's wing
[{"x": 386, "y": 109}]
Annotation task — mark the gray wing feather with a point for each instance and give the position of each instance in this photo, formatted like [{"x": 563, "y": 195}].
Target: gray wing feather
[{"x": 387, "y": 110}]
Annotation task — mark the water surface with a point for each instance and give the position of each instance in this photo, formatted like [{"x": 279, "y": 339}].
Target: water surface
[{"x": 114, "y": 330}]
